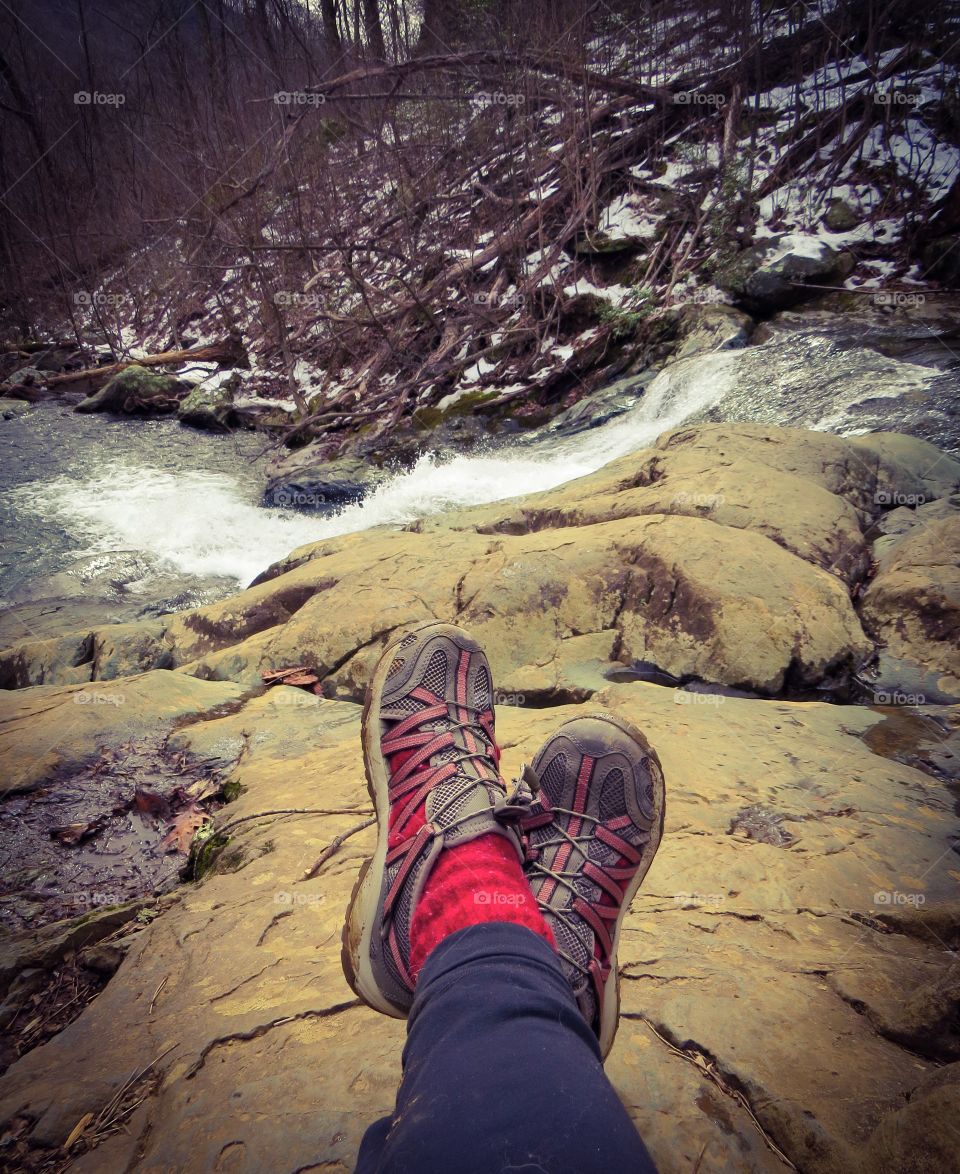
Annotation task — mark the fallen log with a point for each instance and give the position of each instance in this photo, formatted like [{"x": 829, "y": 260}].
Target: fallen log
[
  {"x": 228, "y": 353},
  {"x": 31, "y": 346}
]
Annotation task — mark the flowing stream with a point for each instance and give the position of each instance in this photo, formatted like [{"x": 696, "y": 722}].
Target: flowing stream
[{"x": 81, "y": 487}]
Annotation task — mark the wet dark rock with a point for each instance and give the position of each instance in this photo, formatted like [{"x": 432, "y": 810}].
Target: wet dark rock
[
  {"x": 773, "y": 274},
  {"x": 209, "y": 405},
  {"x": 104, "y": 958},
  {"x": 25, "y": 384},
  {"x": 599, "y": 408},
  {"x": 11, "y": 408},
  {"x": 40, "y": 949},
  {"x": 941, "y": 260},
  {"x": 109, "y": 574},
  {"x": 305, "y": 481},
  {"x": 712, "y": 327},
  {"x": 137, "y": 391},
  {"x": 840, "y": 217},
  {"x": 57, "y": 359}
]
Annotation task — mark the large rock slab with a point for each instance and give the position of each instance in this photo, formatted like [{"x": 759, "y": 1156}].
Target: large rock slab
[
  {"x": 762, "y": 962},
  {"x": 115, "y": 650},
  {"x": 49, "y": 731},
  {"x": 700, "y": 600},
  {"x": 811, "y": 492},
  {"x": 913, "y": 604}
]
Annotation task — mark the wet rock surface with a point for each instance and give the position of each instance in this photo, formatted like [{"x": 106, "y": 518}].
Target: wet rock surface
[
  {"x": 774, "y": 994},
  {"x": 137, "y": 390},
  {"x": 773, "y": 274}
]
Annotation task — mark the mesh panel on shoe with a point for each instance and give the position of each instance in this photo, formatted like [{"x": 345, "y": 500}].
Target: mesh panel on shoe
[
  {"x": 402, "y": 920},
  {"x": 450, "y": 798},
  {"x": 611, "y": 794},
  {"x": 435, "y": 678},
  {"x": 398, "y": 661},
  {"x": 405, "y": 704},
  {"x": 569, "y": 942},
  {"x": 482, "y": 692},
  {"x": 551, "y": 785},
  {"x": 551, "y": 782},
  {"x": 611, "y": 805}
]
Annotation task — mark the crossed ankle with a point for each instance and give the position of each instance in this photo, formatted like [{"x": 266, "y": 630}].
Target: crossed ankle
[{"x": 473, "y": 883}]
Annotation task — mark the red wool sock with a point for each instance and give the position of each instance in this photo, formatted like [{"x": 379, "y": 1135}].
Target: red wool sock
[{"x": 481, "y": 880}]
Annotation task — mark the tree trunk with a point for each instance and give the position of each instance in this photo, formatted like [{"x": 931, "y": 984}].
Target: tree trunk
[{"x": 373, "y": 30}]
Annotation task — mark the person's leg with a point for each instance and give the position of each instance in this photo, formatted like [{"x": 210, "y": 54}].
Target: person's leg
[
  {"x": 444, "y": 925},
  {"x": 500, "y": 1070}
]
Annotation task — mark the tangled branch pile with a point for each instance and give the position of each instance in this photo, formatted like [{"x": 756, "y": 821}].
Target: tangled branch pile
[{"x": 405, "y": 207}]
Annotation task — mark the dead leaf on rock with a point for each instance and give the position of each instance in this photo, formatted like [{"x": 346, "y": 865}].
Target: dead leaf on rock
[
  {"x": 150, "y": 803},
  {"x": 182, "y": 830},
  {"x": 273, "y": 676},
  {"x": 78, "y": 1129},
  {"x": 300, "y": 677},
  {"x": 74, "y": 833},
  {"x": 197, "y": 791}
]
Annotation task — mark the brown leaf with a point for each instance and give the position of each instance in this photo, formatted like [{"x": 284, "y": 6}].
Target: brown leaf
[
  {"x": 182, "y": 830},
  {"x": 77, "y": 1130},
  {"x": 150, "y": 803},
  {"x": 198, "y": 790},
  {"x": 301, "y": 680},
  {"x": 272, "y": 676},
  {"x": 73, "y": 833}
]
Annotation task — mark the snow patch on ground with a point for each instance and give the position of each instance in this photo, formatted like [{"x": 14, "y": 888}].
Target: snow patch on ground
[
  {"x": 623, "y": 219},
  {"x": 615, "y": 294}
]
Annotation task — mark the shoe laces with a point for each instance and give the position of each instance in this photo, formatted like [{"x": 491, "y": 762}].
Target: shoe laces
[{"x": 565, "y": 878}]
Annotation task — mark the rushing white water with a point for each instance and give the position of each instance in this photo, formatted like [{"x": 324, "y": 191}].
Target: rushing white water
[
  {"x": 199, "y": 523},
  {"x": 118, "y": 492},
  {"x": 204, "y": 524}
]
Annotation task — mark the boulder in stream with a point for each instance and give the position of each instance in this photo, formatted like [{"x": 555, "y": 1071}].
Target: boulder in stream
[
  {"x": 209, "y": 405},
  {"x": 774, "y": 274},
  {"x": 137, "y": 390},
  {"x": 25, "y": 384},
  {"x": 306, "y": 480}
]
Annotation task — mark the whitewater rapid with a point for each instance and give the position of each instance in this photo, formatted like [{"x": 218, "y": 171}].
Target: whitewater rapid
[
  {"x": 174, "y": 496},
  {"x": 205, "y": 524}
]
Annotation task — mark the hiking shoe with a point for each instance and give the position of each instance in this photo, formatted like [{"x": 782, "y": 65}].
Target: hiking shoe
[
  {"x": 432, "y": 771},
  {"x": 590, "y": 839}
]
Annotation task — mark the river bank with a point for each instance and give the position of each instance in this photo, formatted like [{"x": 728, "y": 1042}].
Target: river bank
[{"x": 112, "y": 518}]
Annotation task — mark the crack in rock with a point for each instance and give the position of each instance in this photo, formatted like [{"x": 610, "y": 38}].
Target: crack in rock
[{"x": 262, "y": 1029}]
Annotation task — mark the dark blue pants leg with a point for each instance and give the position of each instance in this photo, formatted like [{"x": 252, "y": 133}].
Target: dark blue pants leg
[{"x": 500, "y": 1071}]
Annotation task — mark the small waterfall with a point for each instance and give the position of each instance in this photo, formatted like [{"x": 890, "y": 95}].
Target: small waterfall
[{"x": 208, "y": 524}]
